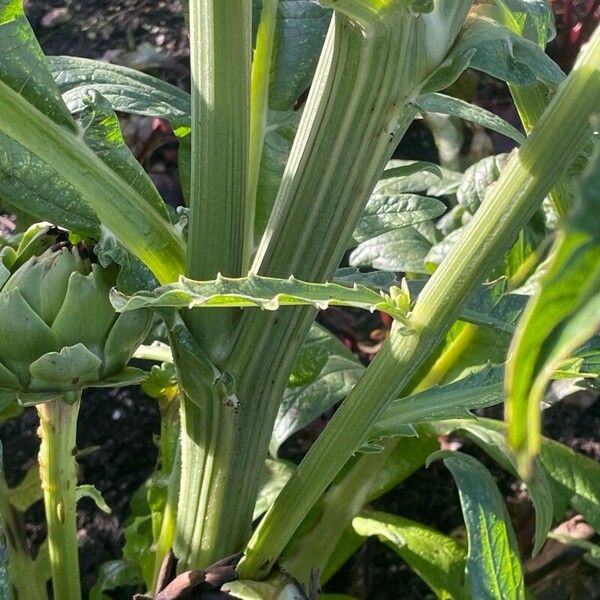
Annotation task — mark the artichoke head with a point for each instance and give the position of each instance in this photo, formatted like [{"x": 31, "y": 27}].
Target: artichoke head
[{"x": 58, "y": 330}]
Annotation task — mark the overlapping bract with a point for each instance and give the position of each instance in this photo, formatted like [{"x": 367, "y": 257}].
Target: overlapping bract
[{"x": 59, "y": 330}]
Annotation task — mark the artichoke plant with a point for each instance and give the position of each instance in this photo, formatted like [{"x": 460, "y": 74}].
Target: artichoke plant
[{"x": 60, "y": 332}]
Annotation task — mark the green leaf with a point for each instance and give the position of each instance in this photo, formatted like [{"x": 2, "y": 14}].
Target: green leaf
[
  {"x": 532, "y": 19},
  {"x": 125, "y": 89},
  {"x": 380, "y": 280},
  {"x": 491, "y": 305},
  {"x": 447, "y": 105},
  {"x": 436, "y": 558},
  {"x": 562, "y": 315},
  {"x": 28, "y": 491},
  {"x": 90, "y": 491},
  {"x": 499, "y": 52},
  {"x": 114, "y": 574},
  {"x": 402, "y": 249},
  {"x": 9, "y": 406},
  {"x": 410, "y": 168},
  {"x": 277, "y": 474},
  {"x": 26, "y": 181},
  {"x": 102, "y": 133},
  {"x": 62, "y": 161},
  {"x": 24, "y": 67},
  {"x": 264, "y": 292},
  {"x": 308, "y": 365},
  {"x": 403, "y": 177},
  {"x": 441, "y": 402},
  {"x": 303, "y": 404},
  {"x": 138, "y": 543},
  {"x": 477, "y": 179},
  {"x": 493, "y": 564},
  {"x": 493, "y": 442},
  {"x": 279, "y": 586},
  {"x": 385, "y": 213},
  {"x": 575, "y": 479}
]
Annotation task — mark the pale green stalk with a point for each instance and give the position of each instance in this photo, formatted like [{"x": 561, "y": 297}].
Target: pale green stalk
[
  {"x": 58, "y": 473},
  {"x": 531, "y": 103},
  {"x": 118, "y": 206},
  {"x": 358, "y": 108},
  {"x": 23, "y": 580},
  {"x": 530, "y": 174},
  {"x": 170, "y": 461},
  {"x": 346, "y": 498},
  {"x": 220, "y": 38},
  {"x": 259, "y": 112}
]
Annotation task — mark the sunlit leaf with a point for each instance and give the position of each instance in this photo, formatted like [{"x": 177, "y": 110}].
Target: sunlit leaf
[
  {"x": 493, "y": 565},
  {"x": 436, "y": 558}
]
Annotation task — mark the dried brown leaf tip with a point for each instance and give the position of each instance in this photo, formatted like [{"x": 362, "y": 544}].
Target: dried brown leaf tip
[{"x": 199, "y": 584}]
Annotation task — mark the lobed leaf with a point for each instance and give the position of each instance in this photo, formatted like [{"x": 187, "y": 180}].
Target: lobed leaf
[
  {"x": 441, "y": 402},
  {"x": 455, "y": 107},
  {"x": 385, "y": 213},
  {"x": 264, "y": 292},
  {"x": 562, "y": 315},
  {"x": 302, "y": 404},
  {"x": 494, "y": 443},
  {"x": 437, "y": 559},
  {"x": 125, "y": 89},
  {"x": 102, "y": 133},
  {"x": 25, "y": 180},
  {"x": 401, "y": 250},
  {"x": 493, "y": 564}
]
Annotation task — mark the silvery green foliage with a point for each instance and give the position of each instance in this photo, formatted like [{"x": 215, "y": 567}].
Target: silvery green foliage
[{"x": 60, "y": 332}]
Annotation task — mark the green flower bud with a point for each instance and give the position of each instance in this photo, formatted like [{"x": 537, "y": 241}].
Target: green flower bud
[{"x": 58, "y": 330}]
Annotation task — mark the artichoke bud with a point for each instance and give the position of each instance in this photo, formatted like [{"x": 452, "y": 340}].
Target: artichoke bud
[{"x": 59, "y": 331}]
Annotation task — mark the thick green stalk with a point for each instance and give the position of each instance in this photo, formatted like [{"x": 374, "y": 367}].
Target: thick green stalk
[
  {"x": 120, "y": 208},
  {"x": 220, "y": 41},
  {"x": 531, "y": 103},
  {"x": 357, "y": 110},
  {"x": 220, "y": 38},
  {"x": 170, "y": 461},
  {"x": 58, "y": 472},
  {"x": 347, "y": 497},
  {"x": 259, "y": 112},
  {"x": 559, "y": 136},
  {"x": 21, "y": 568}
]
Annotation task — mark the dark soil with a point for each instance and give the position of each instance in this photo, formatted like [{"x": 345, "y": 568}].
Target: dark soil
[{"x": 105, "y": 29}]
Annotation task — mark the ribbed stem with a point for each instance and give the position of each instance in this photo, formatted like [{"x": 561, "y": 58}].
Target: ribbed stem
[
  {"x": 170, "y": 458},
  {"x": 531, "y": 103},
  {"x": 58, "y": 473},
  {"x": 559, "y": 137},
  {"x": 21, "y": 567},
  {"x": 358, "y": 108},
  {"x": 220, "y": 38}
]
